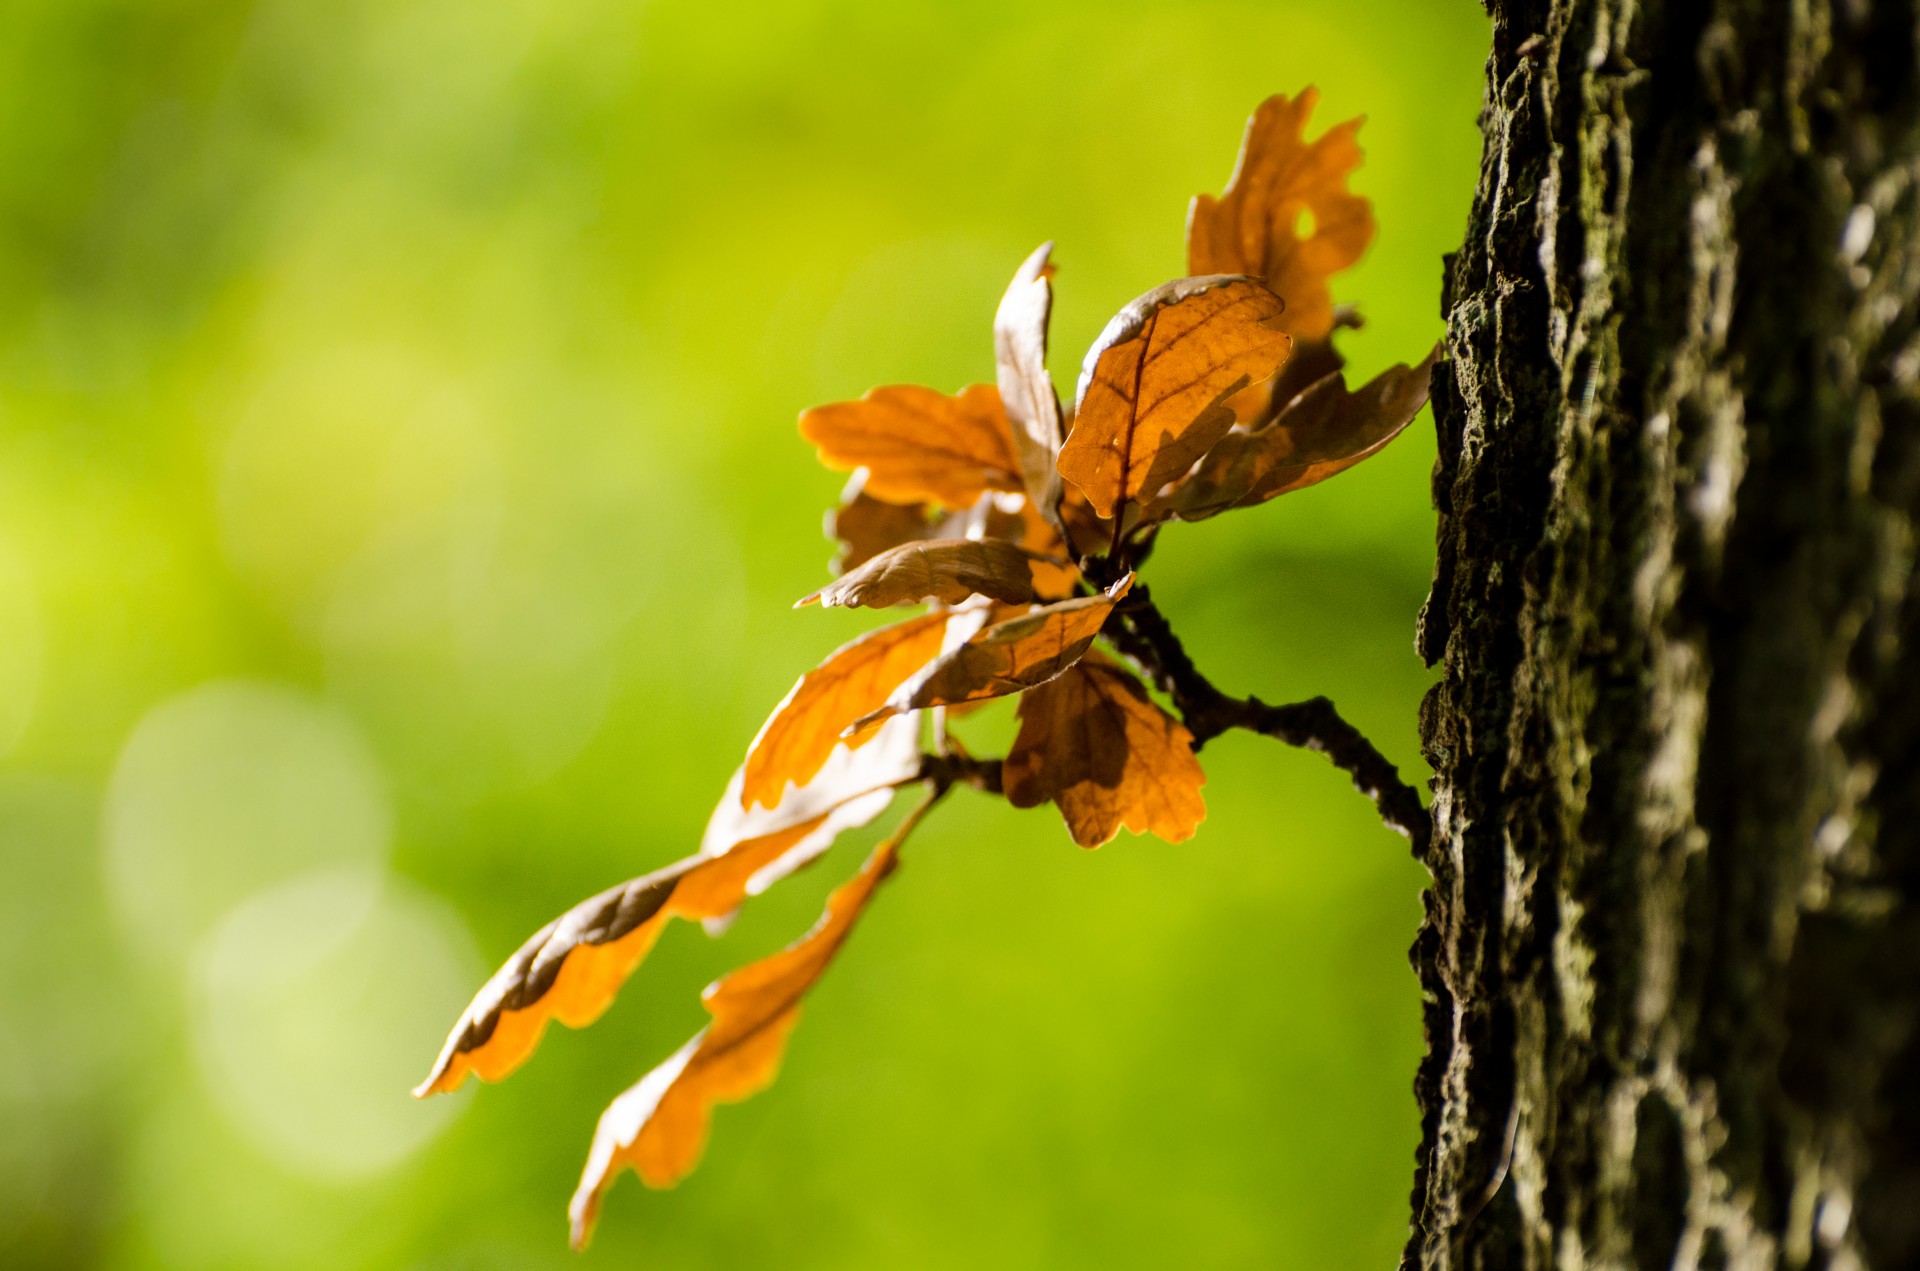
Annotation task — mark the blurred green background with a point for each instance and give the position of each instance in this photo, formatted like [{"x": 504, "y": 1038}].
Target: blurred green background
[{"x": 399, "y": 509}]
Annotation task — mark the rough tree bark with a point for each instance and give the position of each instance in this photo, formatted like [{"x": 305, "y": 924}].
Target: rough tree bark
[{"x": 1672, "y": 952}]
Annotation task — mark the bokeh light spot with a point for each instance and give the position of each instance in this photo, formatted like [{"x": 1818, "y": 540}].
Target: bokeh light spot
[
  {"x": 314, "y": 1003},
  {"x": 228, "y": 788}
]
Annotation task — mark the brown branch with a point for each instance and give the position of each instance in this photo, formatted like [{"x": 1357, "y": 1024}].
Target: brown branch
[
  {"x": 959, "y": 769},
  {"x": 1145, "y": 637}
]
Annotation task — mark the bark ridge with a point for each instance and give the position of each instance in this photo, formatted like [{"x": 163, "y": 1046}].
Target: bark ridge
[{"x": 1671, "y": 958}]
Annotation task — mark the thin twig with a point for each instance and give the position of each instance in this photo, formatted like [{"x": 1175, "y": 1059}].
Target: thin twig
[
  {"x": 1144, "y": 636},
  {"x": 960, "y": 769}
]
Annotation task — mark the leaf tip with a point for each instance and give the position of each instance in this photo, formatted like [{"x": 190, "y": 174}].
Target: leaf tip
[
  {"x": 580, "y": 1227},
  {"x": 1044, "y": 254},
  {"x": 443, "y": 1079},
  {"x": 1038, "y": 264}
]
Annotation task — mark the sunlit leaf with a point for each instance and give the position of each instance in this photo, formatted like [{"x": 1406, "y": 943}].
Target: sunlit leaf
[
  {"x": 948, "y": 570},
  {"x": 1053, "y": 578},
  {"x": 1009, "y": 656},
  {"x": 856, "y": 678},
  {"x": 659, "y": 1126},
  {"x": 1286, "y": 215},
  {"x": 1322, "y": 431},
  {"x": 571, "y": 968},
  {"x": 1020, "y": 358},
  {"x": 917, "y": 444},
  {"x": 866, "y": 526},
  {"x": 882, "y": 758},
  {"x": 1157, "y": 387},
  {"x": 1094, "y": 743}
]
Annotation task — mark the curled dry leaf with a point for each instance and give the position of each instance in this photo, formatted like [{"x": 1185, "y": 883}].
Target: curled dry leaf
[
  {"x": 1008, "y": 656},
  {"x": 1287, "y": 215},
  {"x": 1020, "y": 360},
  {"x": 1156, "y": 389},
  {"x": 1014, "y": 517},
  {"x": 917, "y": 444},
  {"x": 866, "y": 526},
  {"x": 659, "y": 1126},
  {"x": 948, "y": 570},
  {"x": 1094, "y": 743},
  {"x": 571, "y": 968},
  {"x": 1310, "y": 362},
  {"x": 1322, "y": 431},
  {"x": 856, "y": 678}
]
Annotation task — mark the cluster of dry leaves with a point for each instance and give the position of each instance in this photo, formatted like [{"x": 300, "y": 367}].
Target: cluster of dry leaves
[{"x": 1016, "y": 519}]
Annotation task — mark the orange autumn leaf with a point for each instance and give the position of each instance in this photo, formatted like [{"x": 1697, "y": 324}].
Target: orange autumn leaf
[
  {"x": 1156, "y": 389},
  {"x": 917, "y": 444},
  {"x": 1014, "y": 517},
  {"x": 1322, "y": 431},
  {"x": 1026, "y": 389},
  {"x": 947, "y": 570},
  {"x": 1280, "y": 183},
  {"x": 571, "y": 968},
  {"x": 879, "y": 759},
  {"x": 1008, "y": 656},
  {"x": 856, "y": 678},
  {"x": 866, "y": 526},
  {"x": 1094, "y": 743},
  {"x": 1053, "y": 578},
  {"x": 659, "y": 1126}
]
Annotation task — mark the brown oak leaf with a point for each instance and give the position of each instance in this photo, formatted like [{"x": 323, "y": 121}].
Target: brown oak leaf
[
  {"x": 1287, "y": 215},
  {"x": 659, "y": 1126},
  {"x": 1007, "y": 656},
  {"x": 866, "y": 526},
  {"x": 1020, "y": 359},
  {"x": 917, "y": 444},
  {"x": 1322, "y": 431},
  {"x": 856, "y": 678},
  {"x": 1053, "y": 577},
  {"x": 1157, "y": 387},
  {"x": 1094, "y": 743},
  {"x": 1310, "y": 362},
  {"x": 948, "y": 570},
  {"x": 571, "y": 969}
]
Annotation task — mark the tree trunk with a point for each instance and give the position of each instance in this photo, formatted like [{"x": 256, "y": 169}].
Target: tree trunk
[{"x": 1672, "y": 948}]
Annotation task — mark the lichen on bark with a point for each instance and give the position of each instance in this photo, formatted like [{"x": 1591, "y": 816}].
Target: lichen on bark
[{"x": 1671, "y": 956}]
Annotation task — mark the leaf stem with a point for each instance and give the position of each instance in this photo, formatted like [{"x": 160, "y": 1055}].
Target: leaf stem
[
  {"x": 1144, "y": 636},
  {"x": 959, "y": 769}
]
